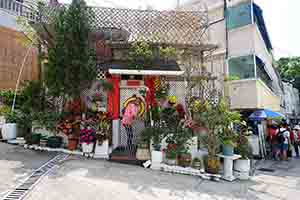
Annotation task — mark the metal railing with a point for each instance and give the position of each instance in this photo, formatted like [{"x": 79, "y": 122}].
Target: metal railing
[{"x": 25, "y": 9}]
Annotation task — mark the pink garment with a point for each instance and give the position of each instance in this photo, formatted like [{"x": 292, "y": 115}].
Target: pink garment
[{"x": 131, "y": 111}]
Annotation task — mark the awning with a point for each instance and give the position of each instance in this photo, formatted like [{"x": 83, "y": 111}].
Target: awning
[
  {"x": 265, "y": 114},
  {"x": 145, "y": 72},
  {"x": 157, "y": 67}
]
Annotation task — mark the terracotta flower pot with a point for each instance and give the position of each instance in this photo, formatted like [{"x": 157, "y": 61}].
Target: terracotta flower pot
[
  {"x": 72, "y": 144},
  {"x": 213, "y": 165}
]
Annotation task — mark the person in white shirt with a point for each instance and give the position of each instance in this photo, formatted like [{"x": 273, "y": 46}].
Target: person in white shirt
[{"x": 286, "y": 140}]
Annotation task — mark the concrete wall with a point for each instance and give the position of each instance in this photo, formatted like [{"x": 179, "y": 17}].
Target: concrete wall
[
  {"x": 266, "y": 98},
  {"x": 291, "y": 99},
  {"x": 252, "y": 94},
  {"x": 243, "y": 94},
  {"x": 241, "y": 41}
]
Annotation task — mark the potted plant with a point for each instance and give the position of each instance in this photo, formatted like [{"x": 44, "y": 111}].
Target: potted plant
[
  {"x": 228, "y": 147},
  {"x": 184, "y": 159},
  {"x": 43, "y": 141},
  {"x": 87, "y": 139},
  {"x": 171, "y": 154},
  {"x": 152, "y": 135},
  {"x": 242, "y": 166},
  {"x": 156, "y": 139},
  {"x": 228, "y": 139},
  {"x": 9, "y": 129},
  {"x": 54, "y": 142},
  {"x": 67, "y": 126},
  {"x": 197, "y": 163},
  {"x": 102, "y": 135},
  {"x": 142, "y": 152},
  {"x": 213, "y": 117}
]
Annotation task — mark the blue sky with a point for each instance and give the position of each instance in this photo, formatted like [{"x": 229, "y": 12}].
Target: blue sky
[{"x": 281, "y": 16}]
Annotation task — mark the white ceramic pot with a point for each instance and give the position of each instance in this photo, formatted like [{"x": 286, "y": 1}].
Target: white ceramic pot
[
  {"x": 242, "y": 165},
  {"x": 156, "y": 157},
  {"x": 102, "y": 151},
  {"x": 87, "y": 148},
  {"x": 9, "y": 131}
]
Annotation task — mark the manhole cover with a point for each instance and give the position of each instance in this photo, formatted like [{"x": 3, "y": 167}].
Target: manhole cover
[{"x": 266, "y": 170}]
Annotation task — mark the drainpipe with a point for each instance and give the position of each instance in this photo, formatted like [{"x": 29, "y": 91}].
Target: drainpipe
[
  {"x": 226, "y": 71},
  {"x": 226, "y": 29}
]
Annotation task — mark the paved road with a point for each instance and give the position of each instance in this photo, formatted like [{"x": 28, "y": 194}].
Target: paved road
[
  {"x": 80, "y": 179},
  {"x": 16, "y": 163}
]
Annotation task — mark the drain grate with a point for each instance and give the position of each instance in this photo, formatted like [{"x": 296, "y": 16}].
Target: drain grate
[{"x": 21, "y": 190}]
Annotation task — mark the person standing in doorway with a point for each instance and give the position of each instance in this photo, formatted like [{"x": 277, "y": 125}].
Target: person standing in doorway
[{"x": 129, "y": 115}]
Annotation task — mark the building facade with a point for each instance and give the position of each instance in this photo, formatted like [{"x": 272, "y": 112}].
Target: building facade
[
  {"x": 291, "y": 103},
  {"x": 237, "y": 27}
]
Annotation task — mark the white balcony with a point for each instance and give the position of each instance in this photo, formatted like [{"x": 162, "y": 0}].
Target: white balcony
[{"x": 252, "y": 94}]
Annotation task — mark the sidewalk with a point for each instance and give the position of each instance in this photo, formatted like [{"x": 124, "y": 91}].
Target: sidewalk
[
  {"x": 16, "y": 163},
  {"x": 92, "y": 179},
  {"x": 282, "y": 183}
]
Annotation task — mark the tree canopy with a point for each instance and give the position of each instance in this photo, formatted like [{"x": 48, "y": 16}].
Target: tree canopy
[
  {"x": 289, "y": 69},
  {"x": 71, "y": 62}
]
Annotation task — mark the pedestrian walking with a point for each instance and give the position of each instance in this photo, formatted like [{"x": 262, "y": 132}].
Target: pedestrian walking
[
  {"x": 283, "y": 138},
  {"x": 295, "y": 140},
  {"x": 275, "y": 148}
]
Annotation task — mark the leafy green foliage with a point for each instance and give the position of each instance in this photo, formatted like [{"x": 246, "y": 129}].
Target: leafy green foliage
[
  {"x": 175, "y": 131},
  {"x": 140, "y": 53},
  {"x": 243, "y": 147},
  {"x": 33, "y": 94},
  {"x": 4, "y": 110},
  {"x": 71, "y": 63},
  {"x": 232, "y": 78},
  {"x": 154, "y": 134},
  {"x": 289, "y": 69},
  {"x": 7, "y": 97},
  {"x": 218, "y": 120},
  {"x": 167, "y": 53},
  {"x": 48, "y": 120},
  {"x": 11, "y": 117}
]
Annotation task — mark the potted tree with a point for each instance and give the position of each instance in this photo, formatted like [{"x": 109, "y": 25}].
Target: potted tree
[
  {"x": 242, "y": 166},
  {"x": 214, "y": 117},
  {"x": 67, "y": 77}
]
